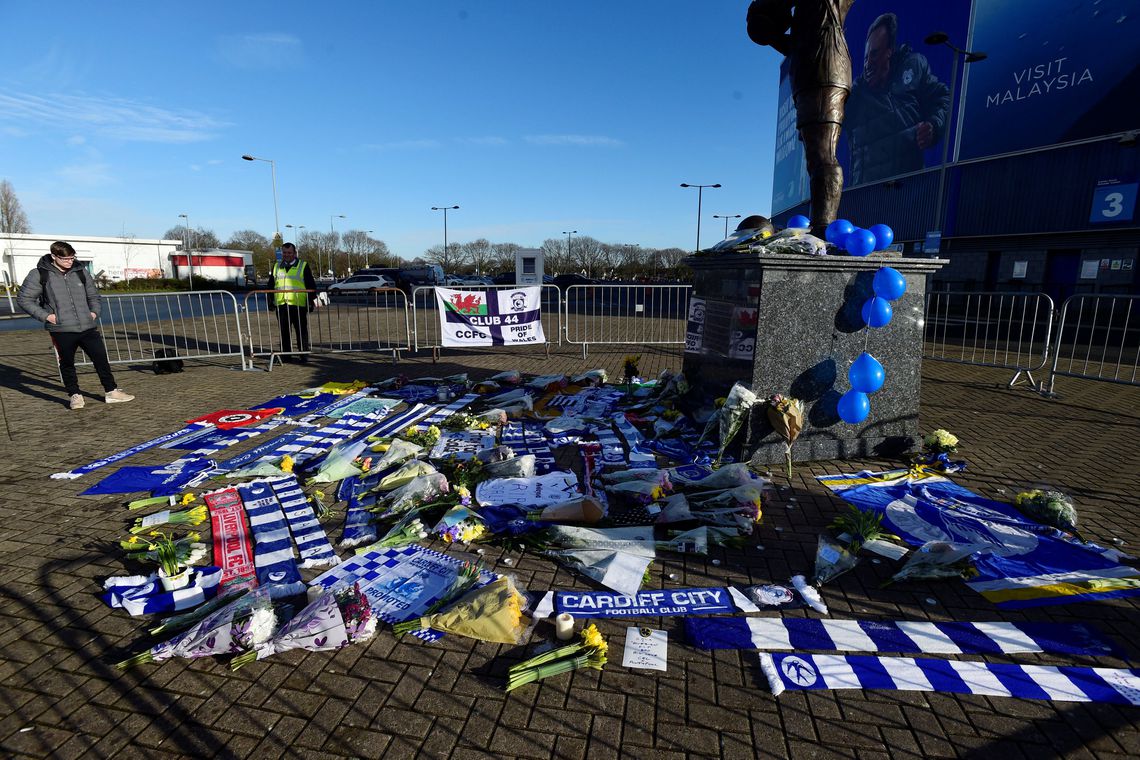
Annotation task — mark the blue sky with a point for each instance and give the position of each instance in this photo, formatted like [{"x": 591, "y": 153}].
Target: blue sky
[{"x": 534, "y": 117}]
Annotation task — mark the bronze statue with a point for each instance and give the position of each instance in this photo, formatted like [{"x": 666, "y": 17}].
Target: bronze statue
[{"x": 820, "y": 68}]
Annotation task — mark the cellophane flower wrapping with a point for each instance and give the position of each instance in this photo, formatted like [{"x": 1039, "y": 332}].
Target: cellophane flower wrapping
[
  {"x": 510, "y": 377},
  {"x": 744, "y": 502},
  {"x": 643, "y": 491},
  {"x": 398, "y": 450},
  {"x": 831, "y": 560},
  {"x": 729, "y": 476},
  {"x": 338, "y": 617},
  {"x": 739, "y": 402},
  {"x": 340, "y": 463},
  {"x": 407, "y": 472},
  {"x": 786, "y": 415},
  {"x": 421, "y": 490},
  {"x": 240, "y": 626},
  {"x": 1051, "y": 508},
  {"x": 492, "y": 613},
  {"x": 939, "y": 559},
  {"x": 460, "y": 525}
]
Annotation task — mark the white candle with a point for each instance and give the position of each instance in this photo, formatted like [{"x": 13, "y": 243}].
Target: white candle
[{"x": 564, "y": 626}]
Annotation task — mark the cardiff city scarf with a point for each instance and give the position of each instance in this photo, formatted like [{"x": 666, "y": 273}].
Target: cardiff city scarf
[
  {"x": 307, "y": 449},
  {"x": 528, "y": 438},
  {"x": 1020, "y": 563},
  {"x": 272, "y": 545},
  {"x": 613, "y": 455},
  {"x": 1057, "y": 683},
  {"x": 667, "y": 602},
  {"x": 233, "y": 547},
  {"x": 901, "y": 636},
  {"x": 144, "y": 594},
  {"x": 312, "y": 543},
  {"x": 261, "y": 450},
  {"x": 401, "y": 584},
  {"x": 640, "y": 457},
  {"x": 589, "y": 402},
  {"x": 120, "y": 456},
  {"x": 358, "y": 525}
]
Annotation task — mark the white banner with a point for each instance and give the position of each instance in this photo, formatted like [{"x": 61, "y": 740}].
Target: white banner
[{"x": 506, "y": 317}]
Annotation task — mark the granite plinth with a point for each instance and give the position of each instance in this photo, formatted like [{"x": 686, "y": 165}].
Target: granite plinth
[{"x": 805, "y": 313}]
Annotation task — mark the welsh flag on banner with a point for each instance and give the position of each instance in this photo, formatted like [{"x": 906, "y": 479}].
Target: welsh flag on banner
[
  {"x": 499, "y": 317},
  {"x": 226, "y": 419}
]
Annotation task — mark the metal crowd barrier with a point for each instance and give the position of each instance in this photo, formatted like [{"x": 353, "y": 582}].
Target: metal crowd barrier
[
  {"x": 376, "y": 320},
  {"x": 626, "y": 314},
  {"x": 425, "y": 315},
  {"x": 150, "y": 327},
  {"x": 1097, "y": 339},
  {"x": 1006, "y": 330}
]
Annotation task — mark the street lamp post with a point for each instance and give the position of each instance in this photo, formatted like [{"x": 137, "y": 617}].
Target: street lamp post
[
  {"x": 273, "y": 168},
  {"x": 569, "y": 251},
  {"x": 700, "y": 191},
  {"x": 186, "y": 247},
  {"x": 726, "y": 218},
  {"x": 444, "y": 209},
  {"x": 941, "y": 38},
  {"x": 332, "y": 237}
]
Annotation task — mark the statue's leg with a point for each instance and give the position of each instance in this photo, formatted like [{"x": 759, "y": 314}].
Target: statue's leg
[{"x": 820, "y": 142}]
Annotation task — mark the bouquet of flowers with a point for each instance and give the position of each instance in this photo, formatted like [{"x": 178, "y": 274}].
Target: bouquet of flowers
[
  {"x": 698, "y": 540},
  {"x": 1051, "y": 508},
  {"x": 938, "y": 559},
  {"x": 491, "y": 613},
  {"x": 511, "y": 377},
  {"x": 742, "y": 505},
  {"x": 337, "y": 618},
  {"x": 730, "y": 418},
  {"x": 343, "y": 460},
  {"x": 193, "y": 517},
  {"x": 415, "y": 493},
  {"x": 394, "y": 452},
  {"x": 644, "y": 491},
  {"x": 831, "y": 560},
  {"x": 590, "y": 652},
  {"x": 593, "y": 377},
  {"x": 460, "y": 525},
  {"x": 786, "y": 414},
  {"x": 629, "y": 371},
  {"x": 187, "y": 549},
  {"x": 586, "y": 510},
  {"x": 462, "y": 421},
  {"x": 240, "y": 626},
  {"x": 406, "y": 531},
  {"x": 153, "y": 501},
  {"x": 407, "y": 472},
  {"x": 861, "y": 526},
  {"x": 937, "y": 448},
  {"x": 426, "y": 438}
]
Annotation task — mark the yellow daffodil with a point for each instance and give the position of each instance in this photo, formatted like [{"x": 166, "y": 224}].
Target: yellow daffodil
[
  {"x": 287, "y": 463},
  {"x": 186, "y": 499}
]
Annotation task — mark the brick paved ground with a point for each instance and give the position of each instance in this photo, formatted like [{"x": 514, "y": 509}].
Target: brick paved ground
[{"x": 59, "y": 696}]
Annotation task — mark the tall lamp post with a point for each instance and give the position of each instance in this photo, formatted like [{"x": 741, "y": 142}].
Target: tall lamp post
[
  {"x": 569, "y": 251},
  {"x": 700, "y": 191},
  {"x": 273, "y": 168},
  {"x": 967, "y": 56},
  {"x": 332, "y": 237},
  {"x": 444, "y": 209},
  {"x": 186, "y": 247},
  {"x": 726, "y": 218}
]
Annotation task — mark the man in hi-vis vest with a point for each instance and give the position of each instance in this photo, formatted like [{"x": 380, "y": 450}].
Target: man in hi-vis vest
[{"x": 293, "y": 308}]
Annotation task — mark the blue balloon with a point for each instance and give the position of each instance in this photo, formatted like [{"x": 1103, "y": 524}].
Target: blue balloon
[
  {"x": 854, "y": 406},
  {"x": 860, "y": 242},
  {"x": 799, "y": 221},
  {"x": 838, "y": 231},
  {"x": 877, "y": 312},
  {"x": 889, "y": 283},
  {"x": 866, "y": 374},
  {"x": 884, "y": 236}
]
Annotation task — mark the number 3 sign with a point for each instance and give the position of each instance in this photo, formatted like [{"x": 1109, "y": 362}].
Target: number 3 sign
[{"x": 1113, "y": 202}]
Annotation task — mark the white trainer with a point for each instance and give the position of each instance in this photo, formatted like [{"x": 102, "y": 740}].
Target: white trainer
[
  {"x": 76, "y": 401},
  {"x": 117, "y": 396}
]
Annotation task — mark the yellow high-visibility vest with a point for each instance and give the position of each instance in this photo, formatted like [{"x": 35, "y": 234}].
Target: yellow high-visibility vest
[{"x": 290, "y": 279}]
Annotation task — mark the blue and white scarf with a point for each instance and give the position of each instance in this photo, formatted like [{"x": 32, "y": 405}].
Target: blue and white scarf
[
  {"x": 528, "y": 438},
  {"x": 144, "y": 594},
  {"x": 272, "y": 545},
  {"x": 442, "y": 413},
  {"x": 1057, "y": 683},
  {"x": 899, "y": 636},
  {"x": 307, "y": 449},
  {"x": 312, "y": 543},
  {"x": 640, "y": 457},
  {"x": 120, "y": 456},
  {"x": 613, "y": 455}
]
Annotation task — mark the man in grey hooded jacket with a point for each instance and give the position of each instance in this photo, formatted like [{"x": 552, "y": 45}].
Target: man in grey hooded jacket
[{"x": 68, "y": 304}]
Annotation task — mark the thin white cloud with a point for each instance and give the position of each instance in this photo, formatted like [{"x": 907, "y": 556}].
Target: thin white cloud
[
  {"x": 76, "y": 140},
  {"x": 116, "y": 118},
  {"x": 585, "y": 141},
  {"x": 86, "y": 175},
  {"x": 215, "y": 162},
  {"x": 484, "y": 141},
  {"x": 268, "y": 50},
  {"x": 404, "y": 145}
]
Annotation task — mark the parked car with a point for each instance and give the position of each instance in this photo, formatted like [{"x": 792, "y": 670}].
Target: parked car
[
  {"x": 408, "y": 278},
  {"x": 361, "y": 283},
  {"x": 566, "y": 280},
  {"x": 455, "y": 279},
  {"x": 476, "y": 279}
]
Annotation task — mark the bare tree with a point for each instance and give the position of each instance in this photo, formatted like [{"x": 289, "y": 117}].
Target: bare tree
[
  {"x": 478, "y": 254},
  {"x": 590, "y": 256},
  {"x": 257, "y": 244},
  {"x": 198, "y": 239},
  {"x": 503, "y": 256},
  {"x": 556, "y": 256},
  {"x": 12, "y": 216},
  {"x": 447, "y": 259}
]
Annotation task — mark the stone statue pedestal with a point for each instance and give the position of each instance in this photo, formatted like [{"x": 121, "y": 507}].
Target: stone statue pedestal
[{"x": 791, "y": 324}]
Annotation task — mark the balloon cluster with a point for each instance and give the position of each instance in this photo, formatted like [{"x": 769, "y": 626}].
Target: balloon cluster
[{"x": 866, "y": 374}]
